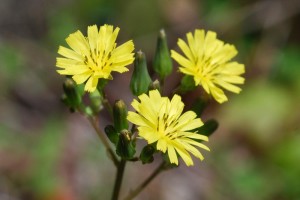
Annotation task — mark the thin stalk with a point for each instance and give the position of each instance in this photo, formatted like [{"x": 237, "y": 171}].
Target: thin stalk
[
  {"x": 136, "y": 191},
  {"x": 103, "y": 139},
  {"x": 119, "y": 178},
  {"x": 162, "y": 83}
]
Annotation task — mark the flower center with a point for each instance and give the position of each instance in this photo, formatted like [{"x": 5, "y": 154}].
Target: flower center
[
  {"x": 166, "y": 127},
  {"x": 98, "y": 60}
]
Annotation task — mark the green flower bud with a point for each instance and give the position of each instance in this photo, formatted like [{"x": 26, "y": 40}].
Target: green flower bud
[
  {"x": 125, "y": 146},
  {"x": 140, "y": 79},
  {"x": 208, "y": 128},
  {"x": 155, "y": 85},
  {"x": 147, "y": 154},
  {"x": 72, "y": 97},
  {"x": 112, "y": 134},
  {"x": 96, "y": 101},
  {"x": 120, "y": 116},
  {"x": 162, "y": 60}
]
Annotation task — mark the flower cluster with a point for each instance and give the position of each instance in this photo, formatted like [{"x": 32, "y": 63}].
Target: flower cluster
[{"x": 161, "y": 121}]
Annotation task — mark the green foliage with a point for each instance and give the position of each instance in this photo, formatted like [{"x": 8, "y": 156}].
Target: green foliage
[{"x": 286, "y": 69}]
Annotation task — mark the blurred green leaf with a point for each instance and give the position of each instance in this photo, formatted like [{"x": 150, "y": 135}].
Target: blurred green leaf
[{"x": 286, "y": 69}]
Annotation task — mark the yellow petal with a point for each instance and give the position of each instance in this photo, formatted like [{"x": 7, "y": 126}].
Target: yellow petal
[
  {"x": 78, "y": 43},
  {"x": 91, "y": 84},
  {"x": 80, "y": 78},
  {"x": 162, "y": 145},
  {"x": 68, "y": 53},
  {"x": 172, "y": 155}
]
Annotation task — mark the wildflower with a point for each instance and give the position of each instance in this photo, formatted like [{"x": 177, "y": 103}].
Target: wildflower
[
  {"x": 161, "y": 120},
  {"x": 95, "y": 56},
  {"x": 208, "y": 61}
]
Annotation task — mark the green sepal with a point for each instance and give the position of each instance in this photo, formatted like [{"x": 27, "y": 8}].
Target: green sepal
[
  {"x": 72, "y": 97},
  {"x": 112, "y": 134},
  {"x": 187, "y": 84},
  {"x": 120, "y": 116},
  {"x": 146, "y": 155},
  {"x": 125, "y": 146},
  {"x": 209, "y": 127},
  {"x": 102, "y": 83},
  {"x": 162, "y": 62},
  {"x": 140, "y": 79}
]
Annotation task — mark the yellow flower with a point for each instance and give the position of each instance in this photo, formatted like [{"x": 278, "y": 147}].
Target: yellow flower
[
  {"x": 161, "y": 120},
  {"x": 94, "y": 56},
  {"x": 208, "y": 60}
]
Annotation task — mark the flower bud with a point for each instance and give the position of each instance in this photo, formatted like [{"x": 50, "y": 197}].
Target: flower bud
[
  {"x": 147, "y": 154},
  {"x": 112, "y": 134},
  {"x": 72, "y": 97},
  {"x": 140, "y": 79},
  {"x": 120, "y": 116},
  {"x": 125, "y": 146},
  {"x": 96, "y": 101},
  {"x": 162, "y": 60}
]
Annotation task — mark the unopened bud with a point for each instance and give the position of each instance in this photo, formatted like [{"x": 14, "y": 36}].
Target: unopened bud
[
  {"x": 162, "y": 60},
  {"x": 147, "y": 154},
  {"x": 140, "y": 79},
  {"x": 72, "y": 97},
  {"x": 120, "y": 116},
  {"x": 96, "y": 101}
]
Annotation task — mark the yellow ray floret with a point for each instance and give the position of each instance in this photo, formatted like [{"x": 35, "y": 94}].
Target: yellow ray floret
[
  {"x": 161, "y": 120},
  {"x": 208, "y": 60},
  {"x": 95, "y": 56}
]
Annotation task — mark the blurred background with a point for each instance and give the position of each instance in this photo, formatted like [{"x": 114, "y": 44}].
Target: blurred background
[{"x": 48, "y": 153}]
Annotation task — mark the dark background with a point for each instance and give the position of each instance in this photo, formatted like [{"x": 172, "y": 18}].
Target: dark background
[{"x": 48, "y": 153}]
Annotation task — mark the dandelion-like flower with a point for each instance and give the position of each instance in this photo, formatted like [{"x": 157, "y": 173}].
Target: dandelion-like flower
[
  {"x": 161, "y": 120},
  {"x": 94, "y": 56},
  {"x": 208, "y": 60}
]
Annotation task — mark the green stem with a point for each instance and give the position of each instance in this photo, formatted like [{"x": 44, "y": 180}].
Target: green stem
[
  {"x": 104, "y": 140},
  {"x": 136, "y": 191},
  {"x": 118, "y": 181},
  {"x": 162, "y": 83}
]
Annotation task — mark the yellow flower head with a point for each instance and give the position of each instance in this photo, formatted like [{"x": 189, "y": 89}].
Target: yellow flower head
[
  {"x": 94, "y": 56},
  {"x": 208, "y": 60},
  {"x": 161, "y": 120}
]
